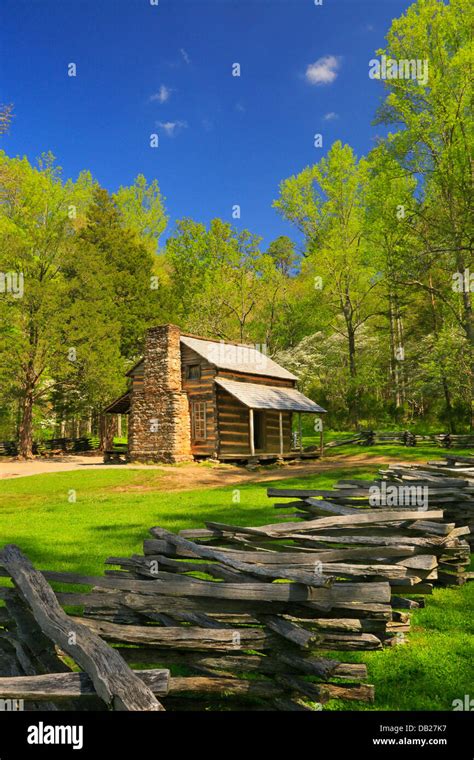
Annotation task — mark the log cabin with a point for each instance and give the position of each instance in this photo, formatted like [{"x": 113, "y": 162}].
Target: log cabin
[{"x": 192, "y": 397}]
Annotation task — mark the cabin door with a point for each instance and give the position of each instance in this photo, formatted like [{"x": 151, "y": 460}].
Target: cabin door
[{"x": 259, "y": 430}]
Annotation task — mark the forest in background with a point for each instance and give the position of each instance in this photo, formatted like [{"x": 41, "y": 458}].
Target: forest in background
[{"x": 373, "y": 312}]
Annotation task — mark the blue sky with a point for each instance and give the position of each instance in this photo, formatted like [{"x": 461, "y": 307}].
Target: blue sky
[{"x": 167, "y": 69}]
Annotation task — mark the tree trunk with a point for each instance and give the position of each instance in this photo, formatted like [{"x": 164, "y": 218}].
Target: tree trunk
[
  {"x": 26, "y": 424},
  {"x": 395, "y": 390},
  {"x": 444, "y": 380},
  {"x": 469, "y": 328},
  {"x": 400, "y": 367},
  {"x": 107, "y": 431},
  {"x": 468, "y": 317},
  {"x": 449, "y": 407},
  {"x": 353, "y": 394}
]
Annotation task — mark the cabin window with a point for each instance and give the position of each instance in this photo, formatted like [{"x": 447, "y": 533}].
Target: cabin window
[
  {"x": 198, "y": 420},
  {"x": 193, "y": 372}
]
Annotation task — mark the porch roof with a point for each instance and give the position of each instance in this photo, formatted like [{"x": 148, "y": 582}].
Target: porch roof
[
  {"x": 257, "y": 396},
  {"x": 120, "y": 405}
]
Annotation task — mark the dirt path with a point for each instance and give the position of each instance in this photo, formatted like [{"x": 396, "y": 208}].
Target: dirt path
[{"x": 190, "y": 476}]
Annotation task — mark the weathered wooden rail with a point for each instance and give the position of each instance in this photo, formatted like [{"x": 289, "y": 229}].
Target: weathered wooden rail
[
  {"x": 35, "y": 609},
  {"x": 450, "y": 484},
  {"x": 246, "y": 616},
  {"x": 405, "y": 438},
  {"x": 219, "y": 632},
  {"x": 432, "y": 550},
  {"x": 54, "y": 446}
]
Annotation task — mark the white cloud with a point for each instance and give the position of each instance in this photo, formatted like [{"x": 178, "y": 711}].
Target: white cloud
[
  {"x": 185, "y": 55},
  {"x": 171, "y": 127},
  {"x": 162, "y": 95},
  {"x": 331, "y": 116},
  {"x": 324, "y": 70}
]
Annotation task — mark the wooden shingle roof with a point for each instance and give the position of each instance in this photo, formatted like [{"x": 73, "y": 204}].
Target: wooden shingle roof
[{"x": 237, "y": 357}]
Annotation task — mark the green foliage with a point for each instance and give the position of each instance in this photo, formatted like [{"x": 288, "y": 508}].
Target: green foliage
[
  {"x": 87, "y": 299},
  {"x": 142, "y": 209},
  {"x": 223, "y": 284},
  {"x": 389, "y": 236},
  {"x": 367, "y": 313},
  {"x": 282, "y": 251}
]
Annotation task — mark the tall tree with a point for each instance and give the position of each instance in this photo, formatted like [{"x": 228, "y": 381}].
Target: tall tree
[
  {"x": 142, "y": 208},
  {"x": 35, "y": 234},
  {"x": 435, "y": 129},
  {"x": 128, "y": 264},
  {"x": 389, "y": 204},
  {"x": 221, "y": 279},
  {"x": 282, "y": 251},
  {"x": 325, "y": 202}
]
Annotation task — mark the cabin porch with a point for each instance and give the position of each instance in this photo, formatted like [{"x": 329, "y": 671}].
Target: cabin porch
[
  {"x": 255, "y": 421},
  {"x": 115, "y": 453}
]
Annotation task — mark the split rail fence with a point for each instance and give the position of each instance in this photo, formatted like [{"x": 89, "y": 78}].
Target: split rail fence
[
  {"x": 406, "y": 438},
  {"x": 241, "y": 617},
  {"x": 54, "y": 446}
]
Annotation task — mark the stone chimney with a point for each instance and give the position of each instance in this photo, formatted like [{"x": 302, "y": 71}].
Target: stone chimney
[{"x": 159, "y": 425}]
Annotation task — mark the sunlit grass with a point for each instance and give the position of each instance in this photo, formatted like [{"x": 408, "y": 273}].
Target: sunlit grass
[{"x": 115, "y": 508}]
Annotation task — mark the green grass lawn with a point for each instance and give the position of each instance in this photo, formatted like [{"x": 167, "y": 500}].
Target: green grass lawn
[
  {"x": 423, "y": 452},
  {"x": 115, "y": 508}
]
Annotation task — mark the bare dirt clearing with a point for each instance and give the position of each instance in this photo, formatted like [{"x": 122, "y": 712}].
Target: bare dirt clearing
[{"x": 187, "y": 477}]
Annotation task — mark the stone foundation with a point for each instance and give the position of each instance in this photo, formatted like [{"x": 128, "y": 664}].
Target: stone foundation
[{"x": 160, "y": 425}]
